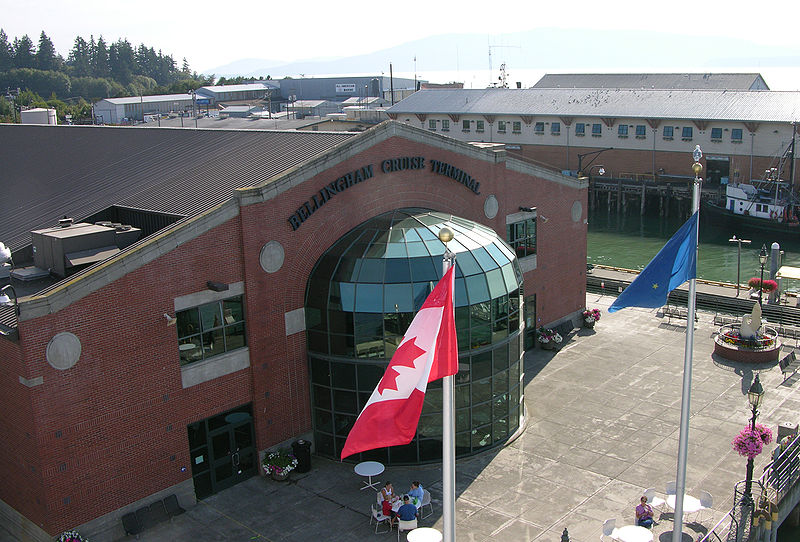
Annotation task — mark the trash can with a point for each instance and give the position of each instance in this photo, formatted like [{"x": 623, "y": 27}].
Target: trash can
[{"x": 302, "y": 451}]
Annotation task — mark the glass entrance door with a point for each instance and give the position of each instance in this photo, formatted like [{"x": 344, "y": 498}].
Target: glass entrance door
[{"x": 223, "y": 451}]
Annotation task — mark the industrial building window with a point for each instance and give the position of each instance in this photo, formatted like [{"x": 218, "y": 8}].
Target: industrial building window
[
  {"x": 641, "y": 131},
  {"x": 479, "y": 126},
  {"x": 597, "y": 130},
  {"x": 210, "y": 329},
  {"x": 445, "y": 126},
  {"x": 501, "y": 126},
  {"x": 432, "y": 124},
  {"x": 668, "y": 132},
  {"x": 580, "y": 129},
  {"x": 465, "y": 126},
  {"x": 736, "y": 135},
  {"x": 622, "y": 130},
  {"x": 516, "y": 127},
  {"x": 686, "y": 134},
  {"x": 555, "y": 128},
  {"x": 522, "y": 237},
  {"x": 716, "y": 134},
  {"x": 538, "y": 127}
]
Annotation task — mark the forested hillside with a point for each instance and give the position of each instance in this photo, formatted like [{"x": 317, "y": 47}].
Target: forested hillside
[{"x": 38, "y": 76}]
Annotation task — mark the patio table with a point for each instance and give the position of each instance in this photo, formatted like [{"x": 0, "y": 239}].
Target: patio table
[
  {"x": 690, "y": 504},
  {"x": 424, "y": 534},
  {"x": 633, "y": 533},
  {"x": 369, "y": 469}
]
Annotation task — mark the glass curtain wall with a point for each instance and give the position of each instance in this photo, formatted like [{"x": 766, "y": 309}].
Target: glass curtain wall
[{"x": 360, "y": 299}]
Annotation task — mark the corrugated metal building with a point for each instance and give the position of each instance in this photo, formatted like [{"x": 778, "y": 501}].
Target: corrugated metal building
[
  {"x": 650, "y": 131},
  {"x": 686, "y": 81}
]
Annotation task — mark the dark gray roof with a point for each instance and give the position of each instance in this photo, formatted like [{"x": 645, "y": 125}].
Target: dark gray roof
[
  {"x": 51, "y": 171},
  {"x": 730, "y": 105},
  {"x": 716, "y": 81}
]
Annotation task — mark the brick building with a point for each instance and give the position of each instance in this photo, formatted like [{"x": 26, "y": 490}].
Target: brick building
[
  {"x": 646, "y": 131},
  {"x": 168, "y": 364}
]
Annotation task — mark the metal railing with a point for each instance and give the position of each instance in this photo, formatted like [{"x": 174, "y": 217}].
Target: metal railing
[
  {"x": 782, "y": 474},
  {"x": 724, "y": 529}
]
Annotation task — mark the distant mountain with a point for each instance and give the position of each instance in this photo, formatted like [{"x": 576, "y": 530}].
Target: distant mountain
[{"x": 546, "y": 48}]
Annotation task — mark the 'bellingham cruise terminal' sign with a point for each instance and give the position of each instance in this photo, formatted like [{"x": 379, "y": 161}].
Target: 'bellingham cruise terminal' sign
[{"x": 364, "y": 173}]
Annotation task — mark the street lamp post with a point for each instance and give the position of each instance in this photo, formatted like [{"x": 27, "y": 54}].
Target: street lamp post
[
  {"x": 581, "y": 157},
  {"x": 738, "y": 259},
  {"x": 762, "y": 258},
  {"x": 754, "y": 396}
]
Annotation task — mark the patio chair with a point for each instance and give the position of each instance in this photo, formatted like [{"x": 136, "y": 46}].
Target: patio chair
[
  {"x": 426, "y": 501},
  {"x": 403, "y": 525},
  {"x": 609, "y": 529},
  {"x": 379, "y": 518},
  {"x": 652, "y": 500},
  {"x": 706, "y": 503}
]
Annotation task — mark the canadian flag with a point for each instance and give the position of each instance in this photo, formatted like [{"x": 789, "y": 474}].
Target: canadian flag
[{"x": 428, "y": 351}]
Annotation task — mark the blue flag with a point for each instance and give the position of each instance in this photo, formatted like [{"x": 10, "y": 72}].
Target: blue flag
[{"x": 673, "y": 265}]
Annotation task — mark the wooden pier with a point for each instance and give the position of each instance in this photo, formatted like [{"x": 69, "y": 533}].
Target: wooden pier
[{"x": 668, "y": 194}]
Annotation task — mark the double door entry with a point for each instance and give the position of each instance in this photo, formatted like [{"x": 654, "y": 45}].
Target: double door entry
[{"x": 222, "y": 451}]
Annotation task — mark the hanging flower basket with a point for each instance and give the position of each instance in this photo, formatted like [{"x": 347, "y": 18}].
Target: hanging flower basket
[{"x": 750, "y": 442}]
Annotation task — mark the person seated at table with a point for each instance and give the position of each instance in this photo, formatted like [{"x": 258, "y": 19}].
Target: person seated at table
[
  {"x": 408, "y": 511},
  {"x": 416, "y": 491},
  {"x": 644, "y": 514},
  {"x": 387, "y": 492},
  {"x": 386, "y": 508}
]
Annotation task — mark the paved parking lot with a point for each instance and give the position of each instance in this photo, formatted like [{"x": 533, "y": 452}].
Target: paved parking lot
[{"x": 602, "y": 425}]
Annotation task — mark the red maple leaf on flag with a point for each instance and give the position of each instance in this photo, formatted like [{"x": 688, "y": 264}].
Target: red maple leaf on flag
[{"x": 404, "y": 357}]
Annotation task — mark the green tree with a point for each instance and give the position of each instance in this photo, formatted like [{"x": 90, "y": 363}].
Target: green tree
[
  {"x": 46, "y": 57},
  {"x": 24, "y": 56},
  {"x": 91, "y": 87},
  {"x": 100, "y": 58},
  {"x": 6, "y": 54},
  {"x": 37, "y": 81},
  {"x": 79, "y": 59},
  {"x": 122, "y": 61}
]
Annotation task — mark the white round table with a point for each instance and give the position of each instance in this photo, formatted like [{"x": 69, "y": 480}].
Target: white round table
[
  {"x": 633, "y": 533},
  {"x": 424, "y": 534},
  {"x": 690, "y": 504},
  {"x": 369, "y": 469}
]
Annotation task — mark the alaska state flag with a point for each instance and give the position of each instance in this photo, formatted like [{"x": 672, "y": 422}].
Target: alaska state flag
[
  {"x": 673, "y": 265},
  {"x": 428, "y": 351}
]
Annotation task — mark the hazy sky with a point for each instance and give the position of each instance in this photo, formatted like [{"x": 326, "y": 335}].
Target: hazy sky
[{"x": 210, "y": 34}]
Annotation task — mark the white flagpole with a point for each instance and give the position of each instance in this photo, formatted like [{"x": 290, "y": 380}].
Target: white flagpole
[
  {"x": 683, "y": 439},
  {"x": 448, "y": 424}
]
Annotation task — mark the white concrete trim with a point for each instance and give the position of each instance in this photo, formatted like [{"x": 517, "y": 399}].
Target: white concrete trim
[
  {"x": 521, "y": 216},
  {"x": 528, "y": 263},
  {"x": 295, "y": 321},
  {"x": 215, "y": 367},
  {"x": 208, "y": 296},
  {"x": 32, "y": 381}
]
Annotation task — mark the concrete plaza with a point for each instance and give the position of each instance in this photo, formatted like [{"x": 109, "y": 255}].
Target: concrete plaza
[{"x": 602, "y": 425}]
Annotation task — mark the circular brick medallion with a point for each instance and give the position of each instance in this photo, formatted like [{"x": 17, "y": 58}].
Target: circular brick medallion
[
  {"x": 63, "y": 351},
  {"x": 577, "y": 211},
  {"x": 272, "y": 257},
  {"x": 490, "y": 206}
]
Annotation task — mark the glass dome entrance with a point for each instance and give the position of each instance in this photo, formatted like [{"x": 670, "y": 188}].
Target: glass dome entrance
[{"x": 361, "y": 298}]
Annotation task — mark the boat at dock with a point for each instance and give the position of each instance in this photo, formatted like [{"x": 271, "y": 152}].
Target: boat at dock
[{"x": 769, "y": 204}]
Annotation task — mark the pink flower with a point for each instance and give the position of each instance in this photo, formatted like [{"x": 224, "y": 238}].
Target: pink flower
[{"x": 750, "y": 442}]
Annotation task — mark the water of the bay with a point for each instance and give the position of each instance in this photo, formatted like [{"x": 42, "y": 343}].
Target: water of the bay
[{"x": 632, "y": 240}]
